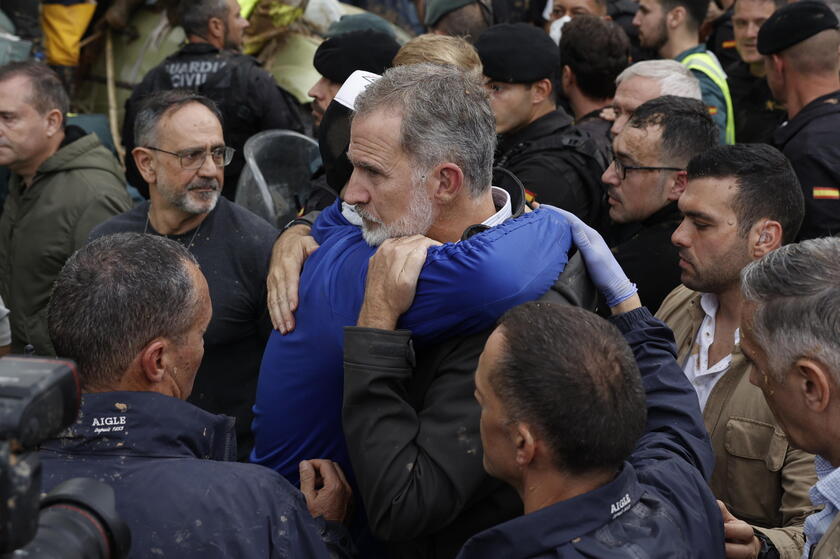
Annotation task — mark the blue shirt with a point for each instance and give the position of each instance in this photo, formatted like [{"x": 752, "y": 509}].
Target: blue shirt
[
  {"x": 825, "y": 492},
  {"x": 463, "y": 289}
]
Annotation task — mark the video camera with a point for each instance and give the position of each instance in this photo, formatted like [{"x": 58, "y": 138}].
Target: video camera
[{"x": 78, "y": 519}]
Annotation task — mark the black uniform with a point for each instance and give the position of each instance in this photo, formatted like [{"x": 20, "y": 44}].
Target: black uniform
[
  {"x": 542, "y": 155},
  {"x": 599, "y": 130},
  {"x": 811, "y": 140},
  {"x": 648, "y": 256},
  {"x": 248, "y": 97},
  {"x": 721, "y": 42},
  {"x": 757, "y": 114}
]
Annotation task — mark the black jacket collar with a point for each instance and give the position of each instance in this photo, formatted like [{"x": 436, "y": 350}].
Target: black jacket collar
[
  {"x": 533, "y": 534},
  {"x": 544, "y": 126},
  {"x": 146, "y": 424},
  {"x": 821, "y": 106}
]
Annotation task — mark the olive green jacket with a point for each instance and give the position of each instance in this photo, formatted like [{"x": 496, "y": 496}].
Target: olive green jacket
[
  {"x": 760, "y": 478},
  {"x": 78, "y": 187}
]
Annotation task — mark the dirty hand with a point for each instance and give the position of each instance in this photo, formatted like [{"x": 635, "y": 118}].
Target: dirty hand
[
  {"x": 392, "y": 280},
  {"x": 290, "y": 251},
  {"x": 325, "y": 489},
  {"x": 741, "y": 541}
]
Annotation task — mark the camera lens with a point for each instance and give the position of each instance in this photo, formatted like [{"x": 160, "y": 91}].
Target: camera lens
[{"x": 78, "y": 520}]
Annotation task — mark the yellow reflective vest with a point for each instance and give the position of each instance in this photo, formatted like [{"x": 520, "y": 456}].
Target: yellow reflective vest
[{"x": 709, "y": 65}]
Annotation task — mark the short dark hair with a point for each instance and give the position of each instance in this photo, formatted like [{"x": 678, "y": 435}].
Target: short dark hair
[
  {"x": 767, "y": 185},
  {"x": 696, "y": 9},
  {"x": 156, "y": 105},
  {"x": 467, "y": 22},
  {"x": 193, "y": 15},
  {"x": 687, "y": 128},
  {"x": 597, "y": 51},
  {"x": 114, "y": 296},
  {"x": 47, "y": 93},
  {"x": 571, "y": 375}
]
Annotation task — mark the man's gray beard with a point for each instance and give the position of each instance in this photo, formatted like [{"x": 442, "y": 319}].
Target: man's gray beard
[
  {"x": 194, "y": 203},
  {"x": 416, "y": 221}
]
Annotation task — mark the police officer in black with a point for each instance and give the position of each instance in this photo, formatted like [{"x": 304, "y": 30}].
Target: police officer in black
[
  {"x": 800, "y": 44},
  {"x": 557, "y": 163},
  {"x": 248, "y": 97},
  {"x": 757, "y": 113}
]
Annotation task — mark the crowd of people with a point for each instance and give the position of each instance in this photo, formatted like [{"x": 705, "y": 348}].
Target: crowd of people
[{"x": 566, "y": 284}]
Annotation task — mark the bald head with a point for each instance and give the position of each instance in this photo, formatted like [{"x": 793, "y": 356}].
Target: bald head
[{"x": 817, "y": 55}]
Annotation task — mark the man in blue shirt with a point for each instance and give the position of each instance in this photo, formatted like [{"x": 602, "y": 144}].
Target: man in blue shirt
[{"x": 790, "y": 332}]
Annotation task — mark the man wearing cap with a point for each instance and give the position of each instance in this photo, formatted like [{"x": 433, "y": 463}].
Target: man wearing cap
[
  {"x": 800, "y": 46},
  {"x": 248, "y": 97},
  {"x": 537, "y": 141},
  {"x": 343, "y": 54}
]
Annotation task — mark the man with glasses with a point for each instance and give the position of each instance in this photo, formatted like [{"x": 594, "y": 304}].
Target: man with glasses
[
  {"x": 645, "y": 180},
  {"x": 182, "y": 155}
]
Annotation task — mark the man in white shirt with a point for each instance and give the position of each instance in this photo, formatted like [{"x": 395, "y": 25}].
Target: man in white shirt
[{"x": 740, "y": 203}]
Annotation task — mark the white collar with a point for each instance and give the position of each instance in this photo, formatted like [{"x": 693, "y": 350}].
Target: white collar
[{"x": 501, "y": 199}]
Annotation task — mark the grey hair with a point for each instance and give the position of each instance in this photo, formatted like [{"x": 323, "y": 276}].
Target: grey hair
[
  {"x": 796, "y": 289},
  {"x": 193, "y": 15},
  {"x": 156, "y": 105},
  {"x": 446, "y": 116},
  {"x": 114, "y": 296},
  {"x": 673, "y": 78}
]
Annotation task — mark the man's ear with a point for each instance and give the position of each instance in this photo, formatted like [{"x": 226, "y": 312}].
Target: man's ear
[
  {"x": 55, "y": 122},
  {"x": 525, "y": 443},
  {"x": 146, "y": 164},
  {"x": 216, "y": 29},
  {"x": 678, "y": 185},
  {"x": 449, "y": 180},
  {"x": 766, "y": 236},
  {"x": 567, "y": 78},
  {"x": 778, "y": 63},
  {"x": 541, "y": 90},
  {"x": 813, "y": 380},
  {"x": 675, "y": 17},
  {"x": 152, "y": 361}
]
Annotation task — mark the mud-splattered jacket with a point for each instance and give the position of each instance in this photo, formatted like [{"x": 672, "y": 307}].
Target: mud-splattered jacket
[{"x": 167, "y": 461}]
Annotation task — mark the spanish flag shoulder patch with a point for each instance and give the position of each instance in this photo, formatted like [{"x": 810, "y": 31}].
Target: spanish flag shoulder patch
[
  {"x": 825, "y": 193},
  {"x": 728, "y": 44},
  {"x": 712, "y": 110}
]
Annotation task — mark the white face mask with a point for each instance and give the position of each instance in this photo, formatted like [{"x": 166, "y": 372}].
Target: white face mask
[{"x": 556, "y": 29}]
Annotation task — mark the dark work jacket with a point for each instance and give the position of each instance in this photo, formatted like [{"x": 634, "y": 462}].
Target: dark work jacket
[
  {"x": 599, "y": 130},
  {"x": 811, "y": 140},
  {"x": 167, "y": 462},
  {"x": 659, "y": 505},
  {"x": 248, "y": 98},
  {"x": 548, "y": 176},
  {"x": 412, "y": 427},
  {"x": 757, "y": 114},
  {"x": 648, "y": 256}
]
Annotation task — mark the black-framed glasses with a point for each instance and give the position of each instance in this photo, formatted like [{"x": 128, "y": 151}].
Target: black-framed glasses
[
  {"x": 621, "y": 169},
  {"x": 194, "y": 158}
]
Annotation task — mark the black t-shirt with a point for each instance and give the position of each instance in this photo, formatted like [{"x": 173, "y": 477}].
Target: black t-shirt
[{"x": 233, "y": 248}]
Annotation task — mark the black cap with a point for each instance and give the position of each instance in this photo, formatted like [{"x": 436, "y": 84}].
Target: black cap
[
  {"x": 340, "y": 56},
  {"x": 793, "y": 24},
  {"x": 517, "y": 53}
]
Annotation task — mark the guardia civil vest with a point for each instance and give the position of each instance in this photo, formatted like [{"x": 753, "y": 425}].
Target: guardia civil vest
[{"x": 709, "y": 65}]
